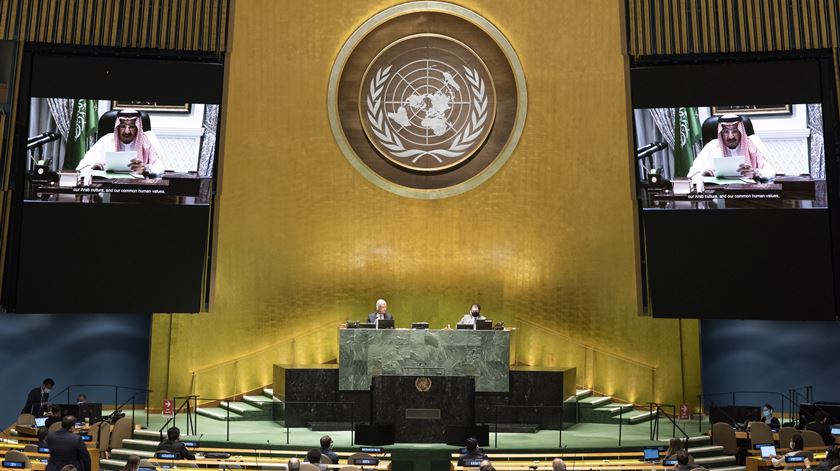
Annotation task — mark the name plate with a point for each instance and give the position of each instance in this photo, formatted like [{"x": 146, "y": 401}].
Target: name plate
[{"x": 427, "y": 414}]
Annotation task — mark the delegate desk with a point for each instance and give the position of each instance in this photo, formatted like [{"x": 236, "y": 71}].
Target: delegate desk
[
  {"x": 482, "y": 354},
  {"x": 757, "y": 463}
]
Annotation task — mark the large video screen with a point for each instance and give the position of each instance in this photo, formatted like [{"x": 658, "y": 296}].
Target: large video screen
[
  {"x": 113, "y": 181},
  {"x": 737, "y": 178},
  {"x": 88, "y": 150},
  {"x": 724, "y": 156}
]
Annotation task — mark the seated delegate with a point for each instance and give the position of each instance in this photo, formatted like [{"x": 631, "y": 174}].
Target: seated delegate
[
  {"x": 380, "y": 313},
  {"x": 128, "y": 135}
]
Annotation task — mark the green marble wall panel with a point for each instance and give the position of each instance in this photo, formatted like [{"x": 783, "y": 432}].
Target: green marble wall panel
[{"x": 363, "y": 353}]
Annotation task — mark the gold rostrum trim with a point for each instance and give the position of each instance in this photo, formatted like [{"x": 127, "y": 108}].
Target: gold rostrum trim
[
  {"x": 400, "y": 10},
  {"x": 363, "y": 86}
]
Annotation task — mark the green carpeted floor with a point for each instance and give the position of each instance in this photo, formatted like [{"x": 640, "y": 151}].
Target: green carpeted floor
[{"x": 270, "y": 434}]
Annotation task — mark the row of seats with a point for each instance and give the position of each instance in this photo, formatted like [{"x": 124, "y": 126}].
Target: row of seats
[
  {"x": 723, "y": 435},
  {"x": 104, "y": 435}
]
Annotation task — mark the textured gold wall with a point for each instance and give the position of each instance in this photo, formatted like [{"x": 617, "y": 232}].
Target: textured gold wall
[{"x": 304, "y": 241}]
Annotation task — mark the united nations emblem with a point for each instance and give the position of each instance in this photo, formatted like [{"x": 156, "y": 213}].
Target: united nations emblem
[
  {"x": 427, "y": 99},
  {"x": 429, "y": 102},
  {"x": 423, "y": 383}
]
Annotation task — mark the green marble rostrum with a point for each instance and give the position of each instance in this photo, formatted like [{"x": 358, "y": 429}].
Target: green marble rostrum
[{"x": 364, "y": 353}]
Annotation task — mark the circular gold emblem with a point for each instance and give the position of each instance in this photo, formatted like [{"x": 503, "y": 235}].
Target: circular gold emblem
[
  {"x": 427, "y": 99},
  {"x": 423, "y": 383},
  {"x": 427, "y": 102}
]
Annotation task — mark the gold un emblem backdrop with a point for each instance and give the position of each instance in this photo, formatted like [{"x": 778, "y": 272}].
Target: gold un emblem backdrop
[{"x": 427, "y": 99}]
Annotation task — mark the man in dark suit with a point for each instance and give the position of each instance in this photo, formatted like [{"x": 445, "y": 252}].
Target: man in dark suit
[
  {"x": 381, "y": 312},
  {"x": 473, "y": 452},
  {"x": 173, "y": 444},
  {"x": 38, "y": 398},
  {"x": 67, "y": 448}
]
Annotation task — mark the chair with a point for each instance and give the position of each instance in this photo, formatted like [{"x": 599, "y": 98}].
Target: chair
[
  {"x": 54, "y": 427},
  {"x": 309, "y": 467},
  {"x": 25, "y": 419},
  {"x": 120, "y": 431},
  {"x": 326, "y": 459},
  {"x": 700, "y": 469},
  {"x": 144, "y": 463},
  {"x": 812, "y": 439},
  {"x": 760, "y": 433},
  {"x": 15, "y": 455},
  {"x": 101, "y": 435},
  {"x": 31, "y": 448},
  {"x": 723, "y": 435},
  {"x": 108, "y": 120},
  {"x": 785, "y": 435},
  {"x": 710, "y": 126}
]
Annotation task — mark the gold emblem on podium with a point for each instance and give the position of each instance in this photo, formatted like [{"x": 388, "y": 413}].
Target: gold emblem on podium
[
  {"x": 423, "y": 383},
  {"x": 427, "y": 99}
]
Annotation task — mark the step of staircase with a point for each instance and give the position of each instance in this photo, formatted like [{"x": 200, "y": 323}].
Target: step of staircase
[
  {"x": 219, "y": 413},
  {"x": 123, "y": 453},
  {"x": 247, "y": 411},
  {"x": 264, "y": 403},
  {"x": 268, "y": 392},
  {"x": 111, "y": 464},
  {"x": 634, "y": 417},
  {"x": 579, "y": 394},
  {"x": 594, "y": 401},
  {"x": 705, "y": 451},
  {"x": 698, "y": 440},
  {"x": 148, "y": 434},
  {"x": 140, "y": 444}
]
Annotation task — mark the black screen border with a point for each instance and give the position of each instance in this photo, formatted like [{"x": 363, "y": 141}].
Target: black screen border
[
  {"x": 111, "y": 73},
  {"x": 662, "y": 81}
]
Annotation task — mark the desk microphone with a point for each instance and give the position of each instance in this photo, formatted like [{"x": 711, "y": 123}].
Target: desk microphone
[{"x": 652, "y": 149}]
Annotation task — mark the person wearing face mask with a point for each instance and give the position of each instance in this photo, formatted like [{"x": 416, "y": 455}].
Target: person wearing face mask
[
  {"x": 472, "y": 316},
  {"x": 768, "y": 418},
  {"x": 38, "y": 399},
  {"x": 796, "y": 449}
]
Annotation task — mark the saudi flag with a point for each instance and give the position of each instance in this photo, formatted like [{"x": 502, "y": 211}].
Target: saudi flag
[
  {"x": 82, "y": 131},
  {"x": 687, "y": 132}
]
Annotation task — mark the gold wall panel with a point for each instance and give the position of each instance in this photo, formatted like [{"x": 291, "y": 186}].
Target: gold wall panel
[
  {"x": 711, "y": 26},
  {"x": 184, "y": 25},
  {"x": 305, "y": 242}
]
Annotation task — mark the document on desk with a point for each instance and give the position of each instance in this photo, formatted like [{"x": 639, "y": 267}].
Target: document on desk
[
  {"x": 115, "y": 175},
  {"x": 727, "y": 181}
]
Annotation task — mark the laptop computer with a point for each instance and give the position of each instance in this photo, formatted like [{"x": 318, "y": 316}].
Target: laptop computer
[
  {"x": 650, "y": 454},
  {"x": 767, "y": 451},
  {"x": 835, "y": 430},
  {"x": 727, "y": 167},
  {"x": 40, "y": 422},
  {"x": 118, "y": 162}
]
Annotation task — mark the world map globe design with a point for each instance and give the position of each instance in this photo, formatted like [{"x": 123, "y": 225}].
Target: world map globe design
[{"x": 427, "y": 103}]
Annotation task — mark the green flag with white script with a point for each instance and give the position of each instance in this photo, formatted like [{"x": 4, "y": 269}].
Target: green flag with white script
[
  {"x": 81, "y": 133},
  {"x": 687, "y": 132}
]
